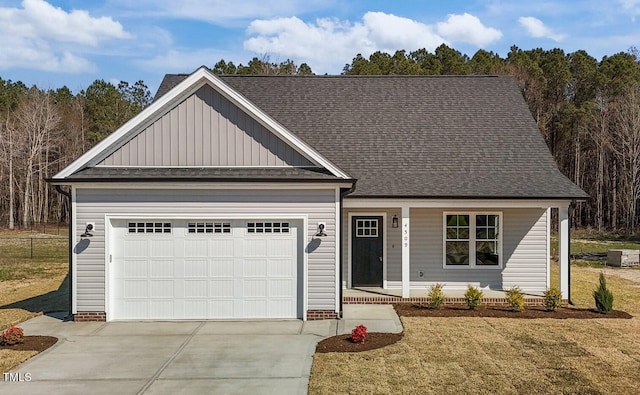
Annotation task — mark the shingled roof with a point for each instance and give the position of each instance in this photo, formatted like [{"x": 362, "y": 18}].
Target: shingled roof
[{"x": 414, "y": 136}]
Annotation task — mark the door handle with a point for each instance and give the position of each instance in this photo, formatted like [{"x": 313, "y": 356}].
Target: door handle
[{"x": 380, "y": 258}]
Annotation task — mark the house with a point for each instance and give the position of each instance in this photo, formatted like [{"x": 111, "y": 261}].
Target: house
[{"x": 265, "y": 196}]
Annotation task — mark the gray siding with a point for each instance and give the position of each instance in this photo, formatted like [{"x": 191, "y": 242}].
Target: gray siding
[
  {"x": 93, "y": 204},
  {"x": 524, "y": 251},
  {"x": 205, "y": 129}
]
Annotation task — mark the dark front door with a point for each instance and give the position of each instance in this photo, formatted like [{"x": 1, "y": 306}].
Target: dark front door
[{"x": 366, "y": 253}]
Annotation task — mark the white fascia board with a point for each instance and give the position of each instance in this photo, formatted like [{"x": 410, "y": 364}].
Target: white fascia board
[
  {"x": 188, "y": 86},
  {"x": 454, "y": 203},
  {"x": 202, "y": 185}
]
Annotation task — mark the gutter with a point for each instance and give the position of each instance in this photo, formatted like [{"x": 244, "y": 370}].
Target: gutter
[
  {"x": 340, "y": 244},
  {"x": 70, "y": 274}
]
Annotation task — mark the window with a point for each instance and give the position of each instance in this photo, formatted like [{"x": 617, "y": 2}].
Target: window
[
  {"x": 366, "y": 228},
  {"x": 209, "y": 227},
  {"x": 472, "y": 240},
  {"x": 149, "y": 227},
  {"x": 268, "y": 227}
]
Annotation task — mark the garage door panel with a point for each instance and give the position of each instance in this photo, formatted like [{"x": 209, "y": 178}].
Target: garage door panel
[
  {"x": 162, "y": 248},
  {"x": 196, "y": 268},
  {"x": 223, "y": 248},
  {"x": 254, "y": 268},
  {"x": 136, "y": 289},
  {"x": 221, "y": 288},
  {"x": 184, "y": 274},
  {"x": 136, "y": 248},
  {"x": 254, "y": 288},
  {"x": 161, "y": 289},
  {"x": 136, "y": 268},
  {"x": 196, "y": 289},
  {"x": 195, "y": 248},
  {"x": 221, "y": 268},
  {"x": 158, "y": 269}
]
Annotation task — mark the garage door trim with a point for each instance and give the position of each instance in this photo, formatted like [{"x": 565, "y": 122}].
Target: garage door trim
[{"x": 110, "y": 242}]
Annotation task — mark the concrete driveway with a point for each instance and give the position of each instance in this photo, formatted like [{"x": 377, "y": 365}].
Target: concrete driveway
[{"x": 256, "y": 357}]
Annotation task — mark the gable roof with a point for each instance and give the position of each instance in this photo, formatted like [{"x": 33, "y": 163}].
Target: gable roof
[
  {"x": 185, "y": 88},
  {"x": 415, "y": 136}
]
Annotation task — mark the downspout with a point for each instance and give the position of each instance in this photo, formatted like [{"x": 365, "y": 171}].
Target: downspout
[
  {"x": 343, "y": 193},
  {"x": 70, "y": 275}
]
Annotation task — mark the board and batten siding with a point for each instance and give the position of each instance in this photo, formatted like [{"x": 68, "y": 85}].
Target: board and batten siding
[
  {"x": 524, "y": 250},
  {"x": 205, "y": 129},
  {"x": 93, "y": 204}
]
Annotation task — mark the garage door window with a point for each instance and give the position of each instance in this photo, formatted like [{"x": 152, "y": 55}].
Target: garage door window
[
  {"x": 149, "y": 227},
  {"x": 268, "y": 227},
  {"x": 209, "y": 227}
]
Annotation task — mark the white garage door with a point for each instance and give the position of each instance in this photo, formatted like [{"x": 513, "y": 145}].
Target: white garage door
[{"x": 204, "y": 269}]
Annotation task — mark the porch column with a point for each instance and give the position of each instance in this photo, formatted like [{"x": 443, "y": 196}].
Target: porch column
[
  {"x": 563, "y": 249},
  {"x": 406, "y": 256}
]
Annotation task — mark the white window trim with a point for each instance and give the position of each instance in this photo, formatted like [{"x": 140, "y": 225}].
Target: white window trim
[{"x": 472, "y": 241}]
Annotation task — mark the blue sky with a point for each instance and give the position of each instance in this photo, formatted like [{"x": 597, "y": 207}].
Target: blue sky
[{"x": 52, "y": 43}]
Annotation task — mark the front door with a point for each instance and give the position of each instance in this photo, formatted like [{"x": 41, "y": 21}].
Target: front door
[{"x": 366, "y": 253}]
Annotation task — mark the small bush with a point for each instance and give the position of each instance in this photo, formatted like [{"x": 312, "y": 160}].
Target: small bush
[
  {"x": 515, "y": 297},
  {"x": 359, "y": 334},
  {"x": 436, "y": 296},
  {"x": 473, "y": 297},
  {"x": 12, "y": 335},
  {"x": 552, "y": 299},
  {"x": 603, "y": 296}
]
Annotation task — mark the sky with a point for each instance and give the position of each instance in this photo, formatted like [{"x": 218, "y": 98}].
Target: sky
[{"x": 55, "y": 43}]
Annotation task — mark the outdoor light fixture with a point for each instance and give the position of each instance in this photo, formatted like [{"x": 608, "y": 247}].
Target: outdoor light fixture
[
  {"x": 321, "y": 227},
  {"x": 394, "y": 221},
  {"x": 88, "y": 230}
]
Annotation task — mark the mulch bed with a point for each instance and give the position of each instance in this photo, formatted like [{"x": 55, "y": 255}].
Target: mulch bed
[
  {"x": 343, "y": 343},
  {"x": 33, "y": 343},
  {"x": 416, "y": 310}
]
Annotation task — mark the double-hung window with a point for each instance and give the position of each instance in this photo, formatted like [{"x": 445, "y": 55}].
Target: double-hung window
[{"x": 472, "y": 240}]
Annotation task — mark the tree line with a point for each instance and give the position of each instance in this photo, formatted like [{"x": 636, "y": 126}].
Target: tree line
[{"x": 587, "y": 110}]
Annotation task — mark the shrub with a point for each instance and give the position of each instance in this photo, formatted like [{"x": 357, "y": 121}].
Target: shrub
[
  {"x": 12, "y": 335},
  {"x": 552, "y": 299},
  {"x": 603, "y": 296},
  {"x": 473, "y": 297},
  {"x": 436, "y": 296},
  {"x": 359, "y": 334},
  {"x": 515, "y": 297}
]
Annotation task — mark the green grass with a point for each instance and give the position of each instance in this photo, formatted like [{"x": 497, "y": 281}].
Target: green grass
[{"x": 18, "y": 262}]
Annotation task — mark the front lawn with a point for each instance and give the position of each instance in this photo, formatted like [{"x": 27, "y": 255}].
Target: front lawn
[{"x": 500, "y": 355}]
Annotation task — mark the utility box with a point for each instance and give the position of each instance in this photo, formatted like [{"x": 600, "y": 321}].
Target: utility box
[{"x": 623, "y": 258}]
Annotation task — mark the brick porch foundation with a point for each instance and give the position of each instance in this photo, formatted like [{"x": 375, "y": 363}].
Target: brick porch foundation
[{"x": 381, "y": 299}]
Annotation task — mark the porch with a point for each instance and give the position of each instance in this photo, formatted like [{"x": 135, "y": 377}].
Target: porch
[{"x": 374, "y": 295}]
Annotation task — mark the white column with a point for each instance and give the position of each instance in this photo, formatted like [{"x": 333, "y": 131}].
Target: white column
[
  {"x": 563, "y": 249},
  {"x": 406, "y": 249}
]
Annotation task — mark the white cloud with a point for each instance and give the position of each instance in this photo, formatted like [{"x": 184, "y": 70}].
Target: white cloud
[
  {"x": 220, "y": 12},
  {"x": 42, "y": 37},
  {"x": 467, "y": 28},
  {"x": 328, "y": 43},
  {"x": 536, "y": 28}
]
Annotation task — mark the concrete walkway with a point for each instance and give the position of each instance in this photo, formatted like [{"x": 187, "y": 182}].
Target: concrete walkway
[{"x": 221, "y": 357}]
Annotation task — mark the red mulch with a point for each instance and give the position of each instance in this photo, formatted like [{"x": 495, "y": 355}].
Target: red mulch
[
  {"x": 33, "y": 343},
  {"x": 416, "y": 310}
]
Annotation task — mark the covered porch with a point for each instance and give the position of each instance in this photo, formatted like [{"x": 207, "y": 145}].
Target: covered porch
[{"x": 414, "y": 242}]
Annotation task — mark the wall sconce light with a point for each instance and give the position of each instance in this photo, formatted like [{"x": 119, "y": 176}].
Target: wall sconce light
[
  {"x": 321, "y": 227},
  {"x": 88, "y": 230},
  {"x": 394, "y": 221}
]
